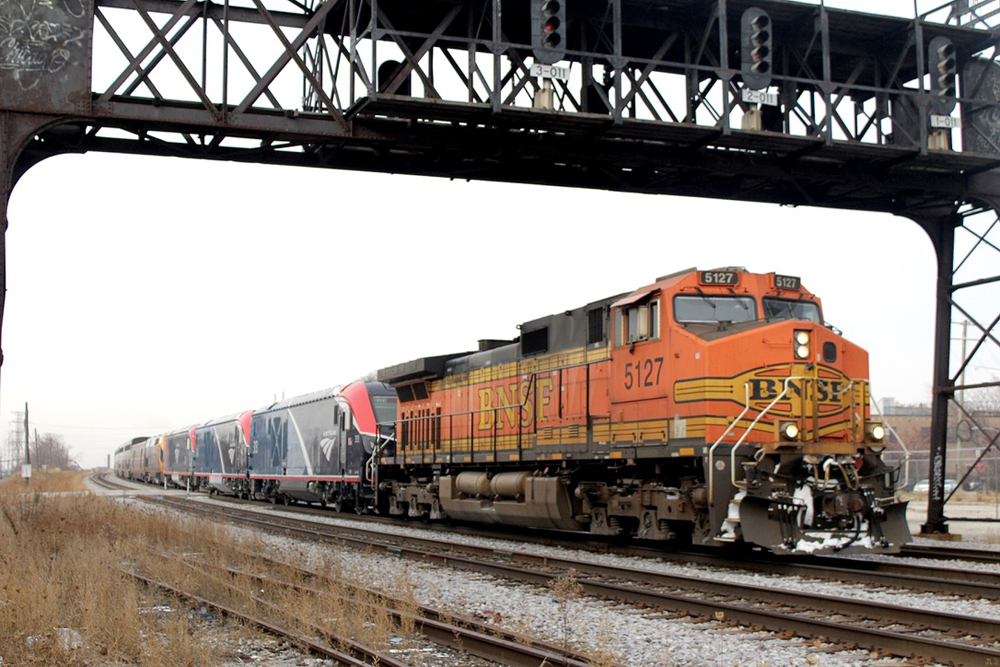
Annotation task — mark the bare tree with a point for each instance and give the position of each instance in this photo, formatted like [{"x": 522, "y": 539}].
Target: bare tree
[{"x": 50, "y": 450}]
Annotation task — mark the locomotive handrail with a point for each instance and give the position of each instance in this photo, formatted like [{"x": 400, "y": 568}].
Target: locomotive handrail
[
  {"x": 732, "y": 452},
  {"x": 529, "y": 395},
  {"x": 711, "y": 450},
  {"x": 905, "y": 464}
]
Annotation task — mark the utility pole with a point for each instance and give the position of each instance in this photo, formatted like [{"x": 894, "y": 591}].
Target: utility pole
[
  {"x": 12, "y": 453},
  {"x": 26, "y": 468}
]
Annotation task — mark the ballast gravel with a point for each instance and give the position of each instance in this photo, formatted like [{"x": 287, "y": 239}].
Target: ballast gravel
[{"x": 611, "y": 631}]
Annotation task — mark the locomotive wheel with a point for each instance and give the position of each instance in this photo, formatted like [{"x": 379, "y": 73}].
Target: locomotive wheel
[
  {"x": 337, "y": 503},
  {"x": 287, "y": 500}
]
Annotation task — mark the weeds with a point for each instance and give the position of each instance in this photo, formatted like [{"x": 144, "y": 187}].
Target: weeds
[
  {"x": 44, "y": 482},
  {"x": 65, "y": 598},
  {"x": 566, "y": 591}
]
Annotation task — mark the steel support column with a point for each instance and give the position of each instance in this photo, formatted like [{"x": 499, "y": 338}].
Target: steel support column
[
  {"x": 940, "y": 226},
  {"x": 16, "y": 130}
]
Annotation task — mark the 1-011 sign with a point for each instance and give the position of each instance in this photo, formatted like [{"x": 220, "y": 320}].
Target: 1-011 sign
[{"x": 945, "y": 122}]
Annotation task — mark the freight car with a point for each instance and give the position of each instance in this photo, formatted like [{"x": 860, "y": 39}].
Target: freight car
[{"x": 709, "y": 407}]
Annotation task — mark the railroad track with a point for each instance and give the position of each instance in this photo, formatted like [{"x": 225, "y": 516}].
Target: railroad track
[
  {"x": 825, "y": 566},
  {"x": 101, "y": 480},
  {"x": 822, "y": 567},
  {"x": 894, "y": 629},
  {"x": 947, "y": 552},
  {"x": 464, "y": 634},
  {"x": 460, "y": 633},
  {"x": 881, "y": 573},
  {"x": 356, "y": 654}
]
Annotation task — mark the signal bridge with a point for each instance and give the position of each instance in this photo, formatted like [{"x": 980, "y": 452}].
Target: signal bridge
[{"x": 767, "y": 100}]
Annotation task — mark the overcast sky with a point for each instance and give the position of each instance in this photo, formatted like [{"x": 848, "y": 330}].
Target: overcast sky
[{"x": 147, "y": 294}]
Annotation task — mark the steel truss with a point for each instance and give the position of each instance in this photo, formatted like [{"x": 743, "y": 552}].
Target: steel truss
[{"x": 653, "y": 102}]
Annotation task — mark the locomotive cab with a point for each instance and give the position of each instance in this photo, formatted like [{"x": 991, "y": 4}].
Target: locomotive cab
[{"x": 779, "y": 405}]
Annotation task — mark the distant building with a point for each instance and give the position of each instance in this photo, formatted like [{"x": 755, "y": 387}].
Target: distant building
[{"x": 911, "y": 426}]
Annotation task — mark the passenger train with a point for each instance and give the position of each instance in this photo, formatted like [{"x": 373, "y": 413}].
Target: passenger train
[{"x": 709, "y": 408}]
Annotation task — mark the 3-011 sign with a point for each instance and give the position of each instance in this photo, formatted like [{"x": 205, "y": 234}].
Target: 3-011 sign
[
  {"x": 760, "y": 97},
  {"x": 550, "y": 72}
]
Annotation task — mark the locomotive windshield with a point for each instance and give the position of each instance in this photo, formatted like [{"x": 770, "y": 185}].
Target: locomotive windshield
[
  {"x": 385, "y": 409},
  {"x": 788, "y": 309},
  {"x": 712, "y": 309}
]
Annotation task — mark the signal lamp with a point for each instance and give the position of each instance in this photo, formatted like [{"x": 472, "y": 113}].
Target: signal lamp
[
  {"x": 755, "y": 48},
  {"x": 944, "y": 75},
  {"x": 548, "y": 31}
]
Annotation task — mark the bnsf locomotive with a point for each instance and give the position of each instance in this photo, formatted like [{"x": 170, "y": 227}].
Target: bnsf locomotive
[{"x": 710, "y": 407}]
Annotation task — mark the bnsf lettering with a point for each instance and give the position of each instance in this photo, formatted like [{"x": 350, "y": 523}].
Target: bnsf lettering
[
  {"x": 768, "y": 389},
  {"x": 500, "y": 405}
]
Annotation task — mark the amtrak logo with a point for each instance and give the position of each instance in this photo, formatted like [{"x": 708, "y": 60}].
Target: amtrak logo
[{"x": 327, "y": 444}]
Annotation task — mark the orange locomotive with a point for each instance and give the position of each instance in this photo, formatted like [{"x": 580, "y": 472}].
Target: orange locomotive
[{"x": 711, "y": 406}]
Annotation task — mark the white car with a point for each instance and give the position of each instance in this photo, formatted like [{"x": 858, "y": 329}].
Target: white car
[{"x": 924, "y": 485}]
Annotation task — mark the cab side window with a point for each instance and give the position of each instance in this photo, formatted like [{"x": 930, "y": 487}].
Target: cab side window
[{"x": 637, "y": 323}]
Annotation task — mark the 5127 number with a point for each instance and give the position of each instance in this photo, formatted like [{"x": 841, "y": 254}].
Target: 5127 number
[{"x": 643, "y": 373}]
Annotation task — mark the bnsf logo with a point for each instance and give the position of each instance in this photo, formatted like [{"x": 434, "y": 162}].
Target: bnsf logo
[
  {"x": 506, "y": 406},
  {"x": 830, "y": 391},
  {"x": 768, "y": 389}
]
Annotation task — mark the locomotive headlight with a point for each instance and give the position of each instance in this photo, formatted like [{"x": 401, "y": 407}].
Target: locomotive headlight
[
  {"x": 801, "y": 339},
  {"x": 875, "y": 431},
  {"x": 789, "y": 430}
]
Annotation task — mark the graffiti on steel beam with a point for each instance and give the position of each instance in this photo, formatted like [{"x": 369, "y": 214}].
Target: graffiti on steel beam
[{"x": 45, "y": 50}]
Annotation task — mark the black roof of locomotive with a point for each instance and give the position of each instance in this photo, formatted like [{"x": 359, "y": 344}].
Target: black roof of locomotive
[{"x": 563, "y": 331}]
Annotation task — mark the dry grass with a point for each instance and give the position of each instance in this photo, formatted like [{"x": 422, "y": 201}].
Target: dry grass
[
  {"x": 61, "y": 566},
  {"x": 44, "y": 482}
]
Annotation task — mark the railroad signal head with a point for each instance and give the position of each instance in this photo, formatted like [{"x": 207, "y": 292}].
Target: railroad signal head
[
  {"x": 755, "y": 48},
  {"x": 548, "y": 30},
  {"x": 944, "y": 75}
]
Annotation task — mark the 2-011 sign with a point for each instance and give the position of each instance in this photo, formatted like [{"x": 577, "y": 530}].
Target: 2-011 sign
[{"x": 760, "y": 97}]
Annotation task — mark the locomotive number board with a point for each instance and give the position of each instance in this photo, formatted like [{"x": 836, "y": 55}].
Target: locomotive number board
[
  {"x": 720, "y": 278},
  {"x": 786, "y": 282}
]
